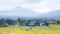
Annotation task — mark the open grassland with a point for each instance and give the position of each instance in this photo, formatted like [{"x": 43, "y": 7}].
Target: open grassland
[{"x": 35, "y": 30}]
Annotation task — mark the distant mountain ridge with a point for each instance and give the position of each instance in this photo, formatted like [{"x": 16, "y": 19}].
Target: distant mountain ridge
[
  {"x": 52, "y": 14},
  {"x": 19, "y": 12},
  {"x": 24, "y": 12}
]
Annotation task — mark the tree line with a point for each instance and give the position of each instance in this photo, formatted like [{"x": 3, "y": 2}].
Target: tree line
[{"x": 22, "y": 22}]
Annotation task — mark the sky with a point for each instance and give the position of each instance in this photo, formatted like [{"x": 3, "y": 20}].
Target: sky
[{"x": 39, "y": 6}]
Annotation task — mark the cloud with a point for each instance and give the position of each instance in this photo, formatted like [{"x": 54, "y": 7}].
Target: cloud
[
  {"x": 43, "y": 6},
  {"x": 40, "y": 6},
  {"x": 31, "y": 1},
  {"x": 9, "y": 4}
]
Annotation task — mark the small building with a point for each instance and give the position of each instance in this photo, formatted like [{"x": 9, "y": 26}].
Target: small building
[
  {"x": 31, "y": 23},
  {"x": 43, "y": 24}
]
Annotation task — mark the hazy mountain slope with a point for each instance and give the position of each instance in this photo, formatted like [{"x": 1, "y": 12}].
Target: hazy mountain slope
[
  {"x": 52, "y": 14},
  {"x": 18, "y": 11}
]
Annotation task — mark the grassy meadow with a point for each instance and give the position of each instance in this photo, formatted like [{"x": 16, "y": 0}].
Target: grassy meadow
[{"x": 53, "y": 29}]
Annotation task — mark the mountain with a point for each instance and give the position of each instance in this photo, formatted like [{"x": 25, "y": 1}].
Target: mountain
[
  {"x": 28, "y": 13},
  {"x": 18, "y": 12},
  {"x": 52, "y": 14}
]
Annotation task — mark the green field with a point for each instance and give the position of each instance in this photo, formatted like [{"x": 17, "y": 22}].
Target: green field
[{"x": 35, "y": 30}]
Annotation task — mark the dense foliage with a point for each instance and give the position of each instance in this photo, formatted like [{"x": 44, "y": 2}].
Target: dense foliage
[{"x": 23, "y": 22}]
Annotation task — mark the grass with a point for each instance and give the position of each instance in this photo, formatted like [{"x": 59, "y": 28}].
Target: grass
[{"x": 35, "y": 30}]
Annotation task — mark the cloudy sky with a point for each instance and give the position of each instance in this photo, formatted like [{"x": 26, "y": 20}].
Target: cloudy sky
[{"x": 40, "y": 6}]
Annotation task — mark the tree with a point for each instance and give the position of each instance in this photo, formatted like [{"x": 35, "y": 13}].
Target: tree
[
  {"x": 20, "y": 21},
  {"x": 37, "y": 23},
  {"x": 47, "y": 24},
  {"x": 3, "y": 23}
]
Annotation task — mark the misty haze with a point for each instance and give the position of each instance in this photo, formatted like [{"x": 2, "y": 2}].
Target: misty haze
[{"x": 29, "y": 16}]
